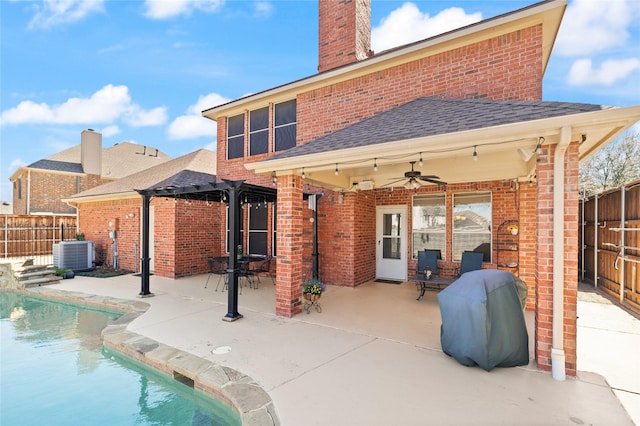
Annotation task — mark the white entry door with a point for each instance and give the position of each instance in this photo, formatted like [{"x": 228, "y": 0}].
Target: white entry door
[{"x": 391, "y": 242}]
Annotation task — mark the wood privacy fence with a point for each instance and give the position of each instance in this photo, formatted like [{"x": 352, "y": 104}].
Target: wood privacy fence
[
  {"x": 33, "y": 236},
  {"x": 610, "y": 241}
]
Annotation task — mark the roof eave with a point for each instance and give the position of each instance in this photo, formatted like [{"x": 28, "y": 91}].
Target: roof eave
[{"x": 600, "y": 127}]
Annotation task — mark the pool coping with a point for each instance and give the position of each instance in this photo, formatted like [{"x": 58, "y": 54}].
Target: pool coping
[{"x": 239, "y": 391}]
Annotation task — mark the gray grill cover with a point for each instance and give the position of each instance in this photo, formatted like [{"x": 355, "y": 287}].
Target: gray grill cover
[{"x": 483, "y": 319}]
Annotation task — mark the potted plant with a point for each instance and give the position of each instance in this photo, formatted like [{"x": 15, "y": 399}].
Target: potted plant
[
  {"x": 513, "y": 229},
  {"x": 65, "y": 273},
  {"x": 312, "y": 289}
]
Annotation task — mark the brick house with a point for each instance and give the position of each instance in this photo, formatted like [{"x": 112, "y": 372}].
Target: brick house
[
  {"x": 41, "y": 186},
  {"x": 185, "y": 233},
  {"x": 464, "y": 108}
]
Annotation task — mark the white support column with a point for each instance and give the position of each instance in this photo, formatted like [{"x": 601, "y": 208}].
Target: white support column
[{"x": 557, "y": 348}]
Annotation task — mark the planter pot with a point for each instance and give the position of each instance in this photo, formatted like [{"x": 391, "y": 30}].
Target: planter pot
[
  {"x": 311, "y": 300},
  {"x": 311, "y": 297},
  {"x": 69, "y": 275}
]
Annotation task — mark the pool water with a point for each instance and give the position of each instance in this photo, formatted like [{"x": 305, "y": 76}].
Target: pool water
[{"x": 55, "y": 371}]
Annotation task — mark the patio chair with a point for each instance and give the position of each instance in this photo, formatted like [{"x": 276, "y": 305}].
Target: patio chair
[
  {"x": 217, "y": 266},
  {"x": 247, "y": 273},
  {"x": 264, "y": 267},
  {"x": 428, "y": 258},
  {"x": 471, "y": 261}
]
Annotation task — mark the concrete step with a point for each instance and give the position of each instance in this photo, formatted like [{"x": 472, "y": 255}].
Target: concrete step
[
  {"x": 53, "y": 279},
  {"x": 34, "y": 274}
]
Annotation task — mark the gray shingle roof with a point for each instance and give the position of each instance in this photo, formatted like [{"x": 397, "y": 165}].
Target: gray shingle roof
[
  {"x": 425, "y": 117},
  {"x": 57, "y": 166},
  {"x": 196, "y": 167}
]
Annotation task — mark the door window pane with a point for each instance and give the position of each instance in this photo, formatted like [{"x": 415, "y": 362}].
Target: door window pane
[
  {"x": 391, "y": 240},
  {"x": 471, "y": 223},
  {"x": 429, "y": 223}
]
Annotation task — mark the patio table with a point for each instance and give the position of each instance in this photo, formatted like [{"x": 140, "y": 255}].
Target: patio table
[{"x": 431, "y": 283}]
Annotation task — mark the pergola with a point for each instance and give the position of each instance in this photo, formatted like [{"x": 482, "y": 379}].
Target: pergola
[{"x": 230, "y": 192}]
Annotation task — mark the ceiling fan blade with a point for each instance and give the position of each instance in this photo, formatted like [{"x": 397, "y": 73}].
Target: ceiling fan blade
[
  {"x": 435, "y": 181},
  {"x": 427, "y": 177},
  {"x": 392, "y": 183}
]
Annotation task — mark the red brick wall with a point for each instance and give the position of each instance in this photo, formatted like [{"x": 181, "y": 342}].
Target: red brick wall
[
  {"x": 290, "y": 241},
  {"x": 185, "y": 235},
  {"x": 527, "y": 239},
  {"x": 544, "y": 258},
  {"x": 505, "y": 67},
  {"x": 344, "y": 32},
  {"x": 44, "y": 191}
]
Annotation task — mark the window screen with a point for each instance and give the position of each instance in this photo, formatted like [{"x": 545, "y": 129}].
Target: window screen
[
  {"x": 235, "y": 137},
  {"x": 285, "y": 125}
]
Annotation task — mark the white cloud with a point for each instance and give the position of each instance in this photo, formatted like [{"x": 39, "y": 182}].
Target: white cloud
[
  {"x": 166, "y": 9},
  {"x": 51, "y": 13},
  {"x": 192, "y": 124},
  {"x": 110, "y": 131},
  {"x": 16, "y": 164},
  {"x": 105, "y": 106},
  {"x": 263, "y": 9},
  {"x": 611, "y": 71},
  {"x": 593, "y": 26},
  {"x": 408, "y": 24}
]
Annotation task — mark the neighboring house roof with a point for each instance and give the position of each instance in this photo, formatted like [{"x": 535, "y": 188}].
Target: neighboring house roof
[
  {"x": 118, "y": 161},
  {"x": 194, "y": 167},
  {"x": 57, "y": 166},
  {"x": 425, "y": 117}
]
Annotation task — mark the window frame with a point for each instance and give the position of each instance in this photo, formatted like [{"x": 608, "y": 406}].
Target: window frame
[
  {"x": 445, "y": 227},
  {"x": 235, "y": 138},
  {"x": 258, "y": 132},
  {"x": 284, "y": 125}
]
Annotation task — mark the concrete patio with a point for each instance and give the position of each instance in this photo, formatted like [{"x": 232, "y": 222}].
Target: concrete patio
[{"x": 373, "y": 357}]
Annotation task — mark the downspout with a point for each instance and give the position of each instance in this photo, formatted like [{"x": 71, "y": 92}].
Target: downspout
[{"x": 558, "y": 371}]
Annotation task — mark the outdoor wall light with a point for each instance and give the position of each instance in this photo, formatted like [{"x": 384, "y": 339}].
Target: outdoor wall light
[{"x": 131, "y": 215}]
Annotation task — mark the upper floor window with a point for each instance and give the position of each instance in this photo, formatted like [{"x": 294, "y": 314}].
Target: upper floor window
[
  {"x": 259, "y": 131},
  {"x": 235, "y": 136},
  {"x": 472, "y": 224},
  {"x": 429, "y": 223},
  {"x": 285, "y": 125}
]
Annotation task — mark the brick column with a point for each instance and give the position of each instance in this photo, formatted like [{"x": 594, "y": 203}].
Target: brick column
[
  {"x": 544, "y": 258},
  {"x": 289, "y": 242}
]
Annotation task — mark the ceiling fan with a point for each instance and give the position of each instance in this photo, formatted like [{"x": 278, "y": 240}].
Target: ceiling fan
[{"x": 415, "y": 179}]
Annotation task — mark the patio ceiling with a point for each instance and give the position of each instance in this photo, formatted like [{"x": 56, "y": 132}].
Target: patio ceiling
[{"x": 448, "y": 154}]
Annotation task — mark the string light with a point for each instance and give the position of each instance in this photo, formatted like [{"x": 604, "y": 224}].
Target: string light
[
  {"x": 303, "y": 176},
  {"x": 336, "y": 172},
  {"x": 420, "y": 163},
  {"x": 375, "y": 164},
  {"x": 274, "y": 178},
  {"x": 475, "y": 153}
]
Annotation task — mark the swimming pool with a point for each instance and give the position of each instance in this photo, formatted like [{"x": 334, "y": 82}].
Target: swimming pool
[{"x": 55, "y": 371}]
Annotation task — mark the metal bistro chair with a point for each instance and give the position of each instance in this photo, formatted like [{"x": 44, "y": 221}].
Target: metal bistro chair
[
  {"x": 218, "y": 267},
  {"x": 264, "y": 267},
  {"x": 428, "y": 259}
]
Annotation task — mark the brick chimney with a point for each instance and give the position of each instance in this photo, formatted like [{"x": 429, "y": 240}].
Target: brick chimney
[
  {"x": 91, "y": 152},
  {"x": 344, "y": 32}
]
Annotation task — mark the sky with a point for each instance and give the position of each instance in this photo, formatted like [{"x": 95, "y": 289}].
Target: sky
[{"x": 142, "y": 71}]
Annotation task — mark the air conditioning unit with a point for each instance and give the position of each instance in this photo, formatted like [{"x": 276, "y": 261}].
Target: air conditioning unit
[{"x": 75, "y": 255}]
